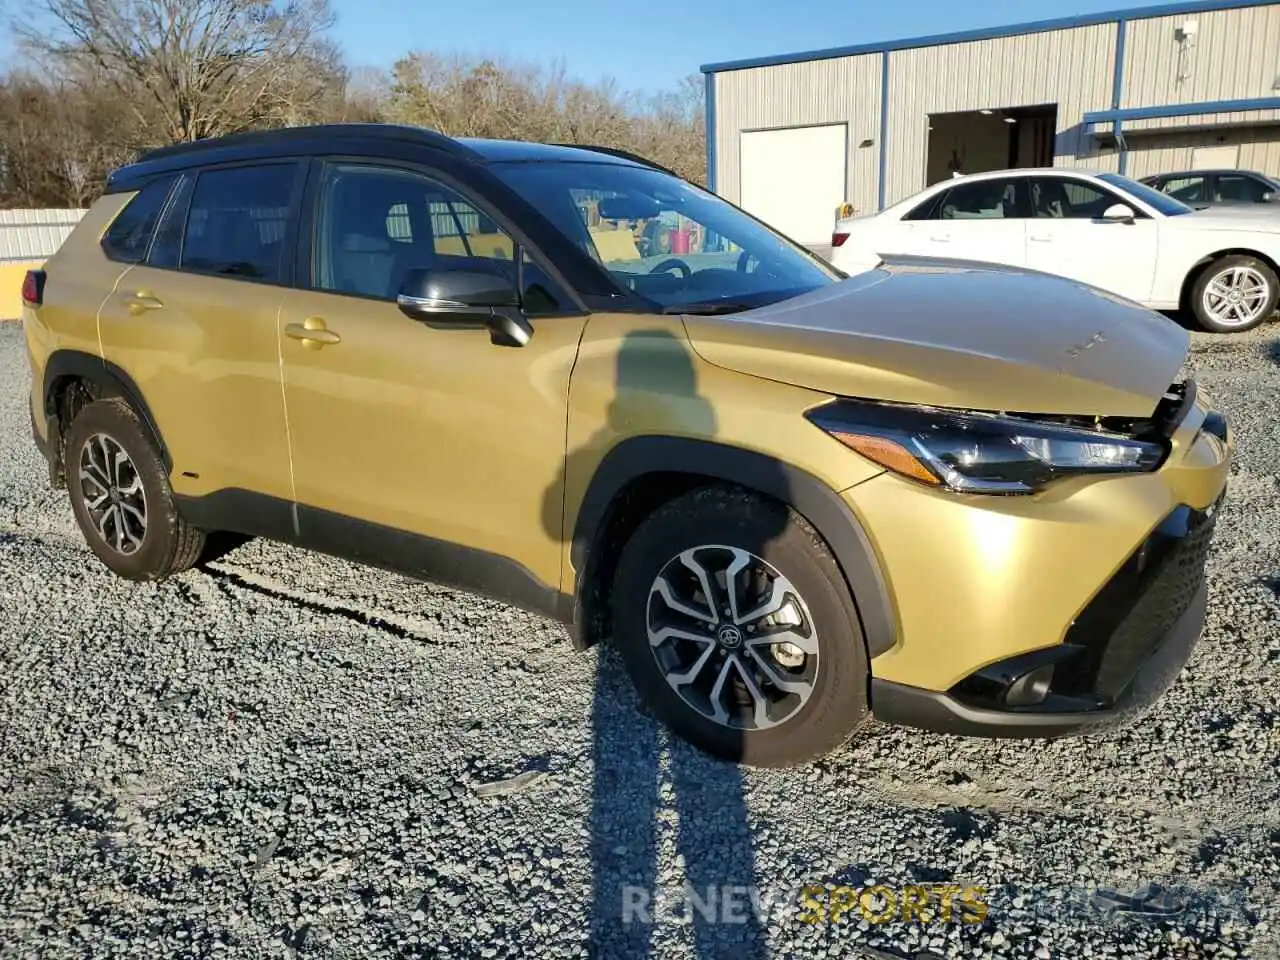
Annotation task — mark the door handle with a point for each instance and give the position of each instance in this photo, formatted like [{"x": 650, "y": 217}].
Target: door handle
[
  {"x": 312, "y": 332},
  {"x": 940, "y": 237},
  {"x": 1040, "y": 238},
  {"x": 142, "y": 301}
]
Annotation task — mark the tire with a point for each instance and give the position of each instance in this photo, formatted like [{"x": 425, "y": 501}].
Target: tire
[
  {"x": 162, "y": 543},
  {"x": 1260, "y": 287},
  {"x": 700, "y": 525}
]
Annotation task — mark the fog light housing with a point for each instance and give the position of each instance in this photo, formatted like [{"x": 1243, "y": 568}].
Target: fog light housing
[{"x": 1031, "y": 688}]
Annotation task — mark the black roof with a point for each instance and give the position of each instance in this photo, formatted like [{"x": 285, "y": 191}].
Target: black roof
[
  {"x": 1210, "y": 171},
  {"x": 264, "y": 143}
]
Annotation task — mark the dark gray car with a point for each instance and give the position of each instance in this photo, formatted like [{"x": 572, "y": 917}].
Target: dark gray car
[{"x": 1211, "y": 188}]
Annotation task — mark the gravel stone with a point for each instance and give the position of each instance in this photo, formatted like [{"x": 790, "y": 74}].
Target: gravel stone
[{"x": 282, "y": 754}]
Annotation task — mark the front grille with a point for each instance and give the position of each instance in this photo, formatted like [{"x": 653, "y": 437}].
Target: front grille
[{"x": 1124, "y": 623}]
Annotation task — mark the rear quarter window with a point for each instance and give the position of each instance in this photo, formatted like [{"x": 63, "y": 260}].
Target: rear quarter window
[{"x": 129, "y": 235}]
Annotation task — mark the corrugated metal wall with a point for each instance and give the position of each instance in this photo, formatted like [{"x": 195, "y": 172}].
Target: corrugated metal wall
[
  {"x": 34, "y": 234},
  {"x": 1072, "y": 68},
  {"x": 844, "y": 90},
  {"x": 1259, "y": 150},
  {"x": 1235, "y": 56}
]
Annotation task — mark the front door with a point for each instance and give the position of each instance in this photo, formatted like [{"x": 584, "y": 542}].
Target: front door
[
  {"x": 425, "y": 448},
  {"x": 1068, "y": 237},
  {"x": 193, "y": 321}
]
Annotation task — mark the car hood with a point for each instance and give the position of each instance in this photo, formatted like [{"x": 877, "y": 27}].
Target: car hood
[
  {"x": 1255, "y": 218},
  {"x": 957, "y": 335}
]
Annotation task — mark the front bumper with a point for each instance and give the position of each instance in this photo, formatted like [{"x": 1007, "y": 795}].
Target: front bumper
[{"x": 949, "y": 713}]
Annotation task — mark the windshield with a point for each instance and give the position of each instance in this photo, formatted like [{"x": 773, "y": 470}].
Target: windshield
[
  {"x": 665, "y": 239},
  {"x": 1169, "y": 206}
]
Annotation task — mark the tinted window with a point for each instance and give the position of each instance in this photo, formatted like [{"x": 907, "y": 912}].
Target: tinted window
[
  {"x": 669, "y": 241},
  {"x": 927, "y": 210},
  {"x": 1060, "y": 199},
  {"x": 1186, "y": 189},
  {"x": 981, "y": 200},
  {"x": 129, "y": 235},
  {"x": 1233, "y": 187},
  {"x": 236, "y": 224},
  {"x": 377, "y": 223}
]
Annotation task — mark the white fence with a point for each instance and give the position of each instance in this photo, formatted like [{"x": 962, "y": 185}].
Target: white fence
[{"x": 34, "y": 234}]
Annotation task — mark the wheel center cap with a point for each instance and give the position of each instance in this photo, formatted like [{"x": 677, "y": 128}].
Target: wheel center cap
[
  {"x": 115, "y": 495},
  {"x": 730, "y": 637}
]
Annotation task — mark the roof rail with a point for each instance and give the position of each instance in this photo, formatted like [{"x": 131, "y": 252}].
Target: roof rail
[
  {"x": 384, "y": 131},
  {"x": 621, "y": 155}
]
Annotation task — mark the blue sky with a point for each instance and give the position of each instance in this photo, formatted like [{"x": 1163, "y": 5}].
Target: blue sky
[{"x": 650, "y": 44}]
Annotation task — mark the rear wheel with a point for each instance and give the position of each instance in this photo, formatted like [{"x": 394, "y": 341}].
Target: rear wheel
[
  {"x": 738, "y": 630},
  {"x": 121, "y": 497},
  {"x": 1234, "y": 293}
]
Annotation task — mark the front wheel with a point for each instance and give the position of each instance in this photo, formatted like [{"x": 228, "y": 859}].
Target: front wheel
[
  {"x": 738, "y": 630},
  {"x": 1234, "y": 293}
]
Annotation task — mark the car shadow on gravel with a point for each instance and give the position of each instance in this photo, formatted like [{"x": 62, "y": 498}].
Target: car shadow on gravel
[{"x": 636, "y": 906}]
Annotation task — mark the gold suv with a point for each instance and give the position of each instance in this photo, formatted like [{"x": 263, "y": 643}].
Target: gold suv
[{"x": 965, "y": 498}]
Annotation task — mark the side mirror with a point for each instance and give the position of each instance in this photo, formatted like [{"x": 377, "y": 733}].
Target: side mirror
[
  {"x": 466, "y": 297},
  {"x": 1119, "y": 213}
]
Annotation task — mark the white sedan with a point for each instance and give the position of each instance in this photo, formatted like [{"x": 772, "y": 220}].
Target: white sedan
[{"x": 1099, "y": 228}]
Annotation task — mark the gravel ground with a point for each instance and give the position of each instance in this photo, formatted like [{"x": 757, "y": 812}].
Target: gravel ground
[{"x": 284, "y": 755}]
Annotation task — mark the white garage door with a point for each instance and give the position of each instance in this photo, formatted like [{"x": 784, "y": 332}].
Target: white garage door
[
  {"x": 794, "y": 179},
  {"x": 1215, "y": 158}
]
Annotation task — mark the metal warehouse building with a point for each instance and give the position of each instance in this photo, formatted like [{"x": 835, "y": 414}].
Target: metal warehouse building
[{"x": 1141, "y": 91}]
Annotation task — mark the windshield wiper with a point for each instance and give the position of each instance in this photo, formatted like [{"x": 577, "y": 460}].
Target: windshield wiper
[{"x": 708, "y": 308}]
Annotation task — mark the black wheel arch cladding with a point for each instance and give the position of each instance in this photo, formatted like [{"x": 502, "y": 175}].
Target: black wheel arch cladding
[
  {"x": 109, "y": 380},
  {"x": 706, "y": 461}
]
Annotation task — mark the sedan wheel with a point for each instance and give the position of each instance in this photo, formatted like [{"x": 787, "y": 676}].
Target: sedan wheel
[
  {"x": 1234, "y": 294},
  {"x": 1237, "y": 296}
]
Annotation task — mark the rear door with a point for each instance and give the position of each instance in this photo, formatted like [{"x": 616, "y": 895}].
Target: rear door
[
  {"x": 194, "y": 322},
  {"x": 982, "y": 220}
]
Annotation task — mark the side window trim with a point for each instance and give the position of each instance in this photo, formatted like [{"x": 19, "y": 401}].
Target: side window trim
[
  {"x": 177, "y": 194},
  {"x": 308, "y": 236}
]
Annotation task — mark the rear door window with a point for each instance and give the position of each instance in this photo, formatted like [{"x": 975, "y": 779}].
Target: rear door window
[
  {"x": 237, "y": 222},
  {"x": 983, "y": 200},
  {"x": 130, "y": 234},
  {"x": 1186, "y": 189}
]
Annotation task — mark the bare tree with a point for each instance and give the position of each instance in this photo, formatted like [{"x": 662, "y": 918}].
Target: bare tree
[
  {"x": 191, "y": 69},
  {"x": 462, "y": 96}
]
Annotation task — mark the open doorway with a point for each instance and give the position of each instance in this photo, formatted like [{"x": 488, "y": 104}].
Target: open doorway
[{"x": 973, "y": 141}]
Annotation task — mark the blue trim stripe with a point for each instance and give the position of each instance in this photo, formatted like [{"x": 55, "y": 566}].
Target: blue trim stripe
[
  {"x": 710, "y": 125},
  {"x": 1117, "y": 91},
  {"x": 884, "y": 125},
  {"x": 1182, "y": 110},
  {"x": 990, "y": 33}
]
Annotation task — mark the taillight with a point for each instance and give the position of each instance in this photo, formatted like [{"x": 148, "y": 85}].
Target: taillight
[
  {"x": 838, "y": 239},
  {"x": 33, "y": 288}
]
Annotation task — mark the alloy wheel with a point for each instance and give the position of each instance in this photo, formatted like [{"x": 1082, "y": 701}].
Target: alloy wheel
[
  {"x": 113, "y": 494},
  {"x": 1236, "y": 296},
  {"x": 733, "y": 637}
]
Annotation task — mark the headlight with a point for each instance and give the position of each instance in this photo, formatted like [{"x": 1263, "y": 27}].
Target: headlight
[{"x": 977, "y": 452}]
